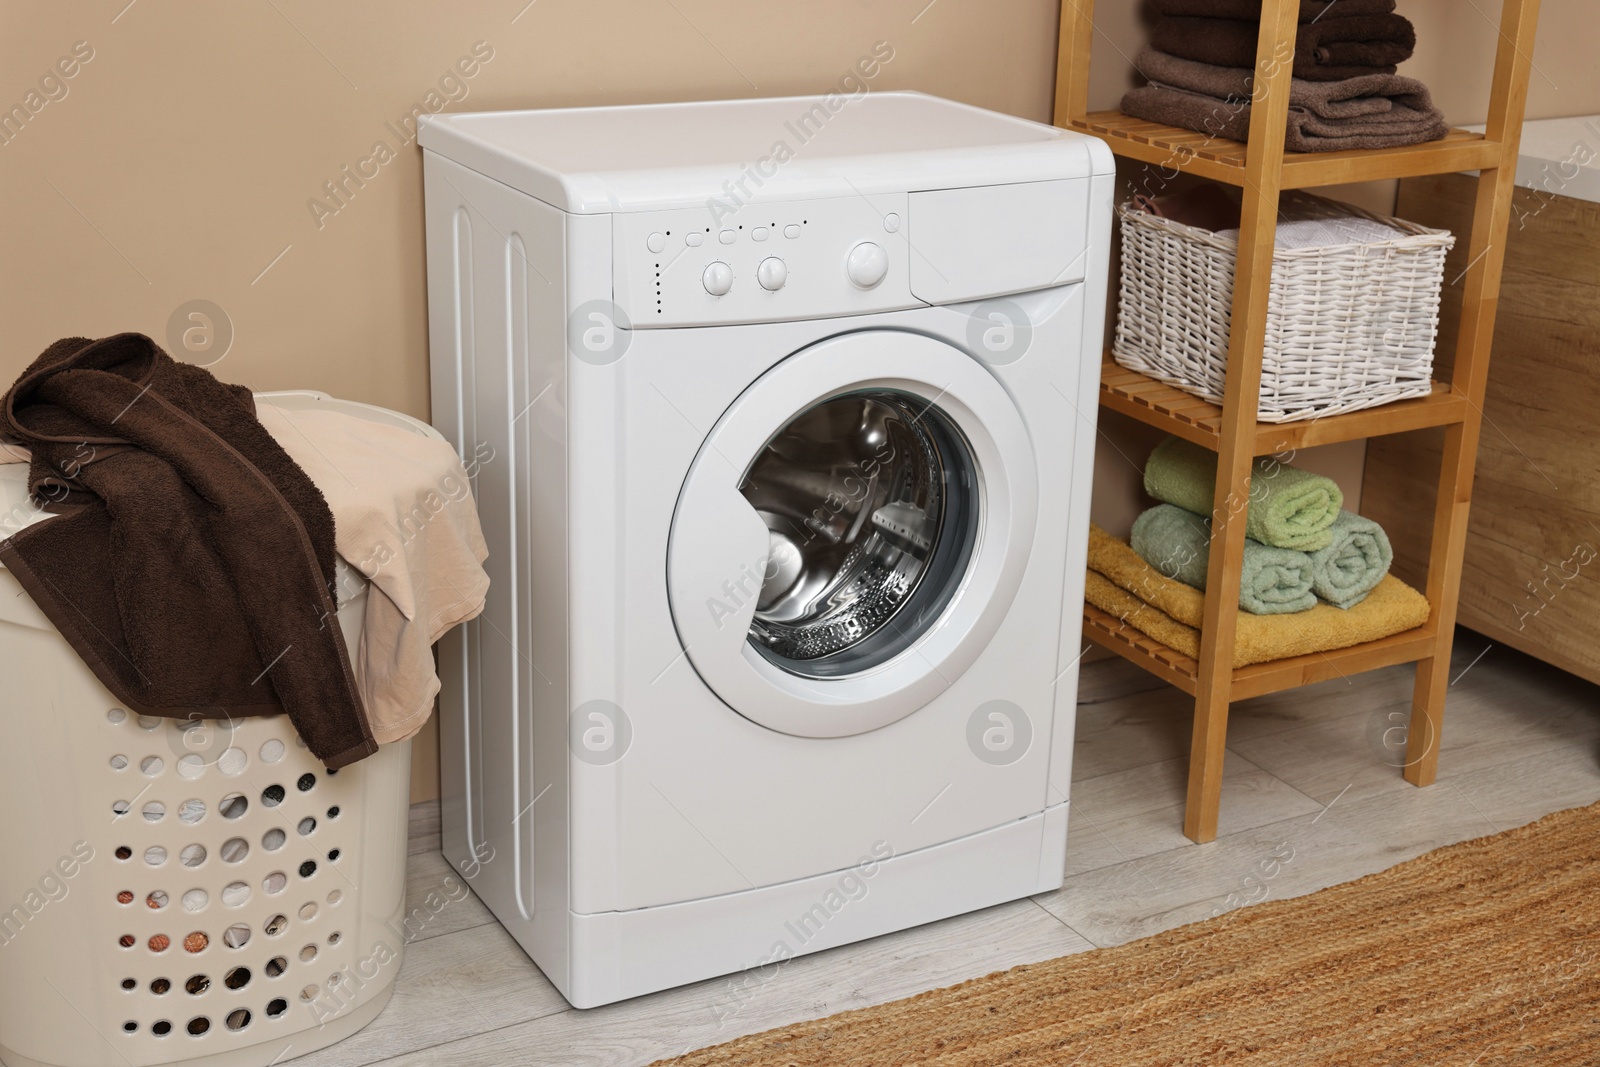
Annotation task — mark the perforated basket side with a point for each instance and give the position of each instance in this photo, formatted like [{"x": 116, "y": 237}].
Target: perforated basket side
[{"x": 184, "y": 892}]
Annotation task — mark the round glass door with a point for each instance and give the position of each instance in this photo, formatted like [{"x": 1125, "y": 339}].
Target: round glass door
[
  {"x": 870, "y": 503},
  {"x": 852, "y": 533}
]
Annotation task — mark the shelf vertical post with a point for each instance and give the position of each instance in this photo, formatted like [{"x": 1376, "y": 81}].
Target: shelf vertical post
[
  {"x": 1258, "y": 227},
  {"x": 1480, "y": 300},
  {"x": 1072, "y": 61}
]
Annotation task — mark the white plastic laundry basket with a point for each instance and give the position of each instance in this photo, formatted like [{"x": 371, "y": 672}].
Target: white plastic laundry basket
[{"x": 183, "y": 893}]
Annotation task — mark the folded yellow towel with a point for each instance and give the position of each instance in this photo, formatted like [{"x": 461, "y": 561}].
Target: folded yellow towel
[{"x": 1122, "y": 584}]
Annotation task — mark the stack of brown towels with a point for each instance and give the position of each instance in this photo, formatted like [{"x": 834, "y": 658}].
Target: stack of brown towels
[{"x": 1344, "y": 93}]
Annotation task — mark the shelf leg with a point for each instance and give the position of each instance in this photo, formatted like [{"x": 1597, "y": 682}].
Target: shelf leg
[
  {"x": 1073, "y": 47},
  {"x": 1426, "y": 731},
  {"x": 1258, "y": 229},
  {"x": 1208, "y": 750},
  {"x": 1480, "y": 296},
  {"x": 1427, "y": 717}
]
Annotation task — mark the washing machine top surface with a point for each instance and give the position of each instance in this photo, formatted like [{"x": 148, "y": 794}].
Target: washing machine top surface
[{"x": 637, "y": 158}]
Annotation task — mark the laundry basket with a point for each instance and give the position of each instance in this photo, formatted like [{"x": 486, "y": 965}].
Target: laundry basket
[{"x": 183, "y": 892}]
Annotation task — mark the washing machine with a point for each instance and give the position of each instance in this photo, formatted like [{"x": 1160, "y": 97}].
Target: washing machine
[{"x": 781, "y": 415}]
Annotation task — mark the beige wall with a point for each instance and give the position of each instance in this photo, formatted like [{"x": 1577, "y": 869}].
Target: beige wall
[
  {"x": 181, "y": 160},
  {"x": 177, "y": 163}
]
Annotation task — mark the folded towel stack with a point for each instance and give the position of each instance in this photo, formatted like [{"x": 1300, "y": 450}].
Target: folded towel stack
[
  {"x": 1126, "y": 587},
  {"x": 1300, "y": 544},
  {"x": 1344, "y": 92}
]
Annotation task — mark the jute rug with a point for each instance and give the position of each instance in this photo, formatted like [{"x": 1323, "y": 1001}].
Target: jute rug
[{"x": 1482, "y": 953}]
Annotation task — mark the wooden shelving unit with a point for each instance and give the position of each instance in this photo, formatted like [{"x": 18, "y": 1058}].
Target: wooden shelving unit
[{"x": 1262, "y": 170}]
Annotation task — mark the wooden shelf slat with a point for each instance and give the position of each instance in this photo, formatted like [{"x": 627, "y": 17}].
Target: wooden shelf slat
[
  {"x": 1185, "y": 415},
  {"x": 1108, "y": 631},
  {"x": 1257, "y": 679},
  {"x": 1223, "y": 160}
]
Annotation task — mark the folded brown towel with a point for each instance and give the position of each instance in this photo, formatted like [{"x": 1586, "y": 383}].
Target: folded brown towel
[
  {"x": 1306, "y": 131},
  {"x": 1351, "y": 98},
  {"x": 1310, "y": 10},
  {"x": 1372, "y": 111},
  {"x": 191, "y": 561},
  {"x": 1328, "y": 50}
]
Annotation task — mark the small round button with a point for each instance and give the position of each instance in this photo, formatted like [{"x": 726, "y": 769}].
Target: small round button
[
  {"x": 655, "y": 242},
  {"x": 760, "y": 233},
  {"x": 718, "y": 278},
  {"x": 866, "y": 265},
  {"x": 693, "y": 238},
  {"x": 772, "y": 273},
  {"x": 791, "y": 231},
  {"x": 727, "y": 237},
  {"x": 891, "y": 223}
]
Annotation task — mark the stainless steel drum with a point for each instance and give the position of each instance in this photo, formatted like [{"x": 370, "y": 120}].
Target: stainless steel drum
[{"x": 870, "y": 500}]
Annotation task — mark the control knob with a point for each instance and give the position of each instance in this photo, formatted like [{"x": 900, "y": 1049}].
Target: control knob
[
  {"x": 718, "y": 278},
  {"x": 866, "y": 265},
  {"x": 772, "y": 273}
]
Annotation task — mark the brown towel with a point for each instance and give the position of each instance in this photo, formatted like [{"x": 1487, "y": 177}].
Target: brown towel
[
  {"x": 1351, "y": 98},
  {"x": 1329, "y": 50},
  {"x": 1307, "y": 132},
  {"x": 191, "y": 561},
  {"x": 1373, "y": 111},
  {"x": 1310, "y": 10}
]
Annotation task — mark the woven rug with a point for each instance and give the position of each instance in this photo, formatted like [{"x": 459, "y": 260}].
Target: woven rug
[{"x": 1485, "y": 952}]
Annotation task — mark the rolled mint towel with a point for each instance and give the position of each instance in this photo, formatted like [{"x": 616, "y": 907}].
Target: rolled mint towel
[
  {"x": 1353, "y": 564},
  {"x": 1175, "y": 542},
  {"x": 1230, "y": 119},
  {"x": 1288, "y": 507},
  {"x": 1310, "y": 10},
  {"x": 1328, "y": 50}
]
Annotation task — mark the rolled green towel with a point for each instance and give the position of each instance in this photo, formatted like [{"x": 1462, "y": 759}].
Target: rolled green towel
[
  {"x": 1289, "y": 507},
  {"x": 1276, "y": 581},
  {"x": 1352, "y": 566}
]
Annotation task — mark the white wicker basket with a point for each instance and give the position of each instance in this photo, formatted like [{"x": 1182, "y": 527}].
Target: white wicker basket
[{"x": 1348, "y": 326}]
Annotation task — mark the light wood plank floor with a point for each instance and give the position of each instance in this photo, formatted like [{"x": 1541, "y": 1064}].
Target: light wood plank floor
[{"x": 1312, "y": 775}]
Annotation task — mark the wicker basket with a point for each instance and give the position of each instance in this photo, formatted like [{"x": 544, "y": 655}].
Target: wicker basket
[{"x": 1348, "y": 326}]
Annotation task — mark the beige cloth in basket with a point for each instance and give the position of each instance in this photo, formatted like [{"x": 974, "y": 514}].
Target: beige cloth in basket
[{"x": 405, "y": 518}]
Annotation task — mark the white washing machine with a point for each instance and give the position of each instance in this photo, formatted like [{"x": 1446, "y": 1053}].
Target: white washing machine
[{"x": 783, "y": 416}]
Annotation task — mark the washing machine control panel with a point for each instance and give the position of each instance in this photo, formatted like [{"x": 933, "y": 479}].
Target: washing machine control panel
[{"x": 717, "y": 264}]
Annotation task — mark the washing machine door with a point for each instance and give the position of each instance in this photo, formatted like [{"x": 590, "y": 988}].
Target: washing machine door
[{"x": 852, "y": 533}]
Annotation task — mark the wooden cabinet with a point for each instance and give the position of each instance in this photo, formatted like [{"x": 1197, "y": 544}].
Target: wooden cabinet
[{"x": 1531, "y": 578}]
